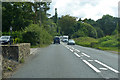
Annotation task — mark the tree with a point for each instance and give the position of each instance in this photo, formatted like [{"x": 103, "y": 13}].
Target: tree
[
  {"x": 66, "y": 24},
  {"x": 116, "y": 30},
  {"x": 99, "y": 32},
  {"x": 21, "y": 14},
  {"x": 85, "y": 29},
  {"x": 17, "y": 15},
  {"x": 107, "y": 24}
]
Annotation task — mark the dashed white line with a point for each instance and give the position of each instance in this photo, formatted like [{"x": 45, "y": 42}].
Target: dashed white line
[
  {"x": 91, "y": 66},
  {"x": 105, "y": 69},
  {"x": 71, "y": 50},
  {"x": 77, "y": 50},
  {"x": 90, "y": 60},
  {"x": 76, "y": 54},
  {"x": 85, "y": 55},
  {"x": 72, "y": 47},
  {"x": 107, "y": 66}
]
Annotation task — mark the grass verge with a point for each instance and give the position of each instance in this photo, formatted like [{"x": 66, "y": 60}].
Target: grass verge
[{"x": 94, "y": 43}]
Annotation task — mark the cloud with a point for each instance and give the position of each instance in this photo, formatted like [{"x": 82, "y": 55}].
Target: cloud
[{"x": 93, "y": 9}]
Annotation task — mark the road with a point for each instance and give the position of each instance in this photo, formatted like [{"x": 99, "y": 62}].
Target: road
[{"x": 69, "y": 61}]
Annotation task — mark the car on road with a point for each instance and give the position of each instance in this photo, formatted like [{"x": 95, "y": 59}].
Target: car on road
[
  {"x": 5, "y": 39},
  {"x": 56, "y": 40},
  {"x": 71, "y": 42}
]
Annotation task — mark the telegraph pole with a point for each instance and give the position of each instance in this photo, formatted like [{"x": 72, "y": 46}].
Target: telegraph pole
[{"x": 55, "y": 19}]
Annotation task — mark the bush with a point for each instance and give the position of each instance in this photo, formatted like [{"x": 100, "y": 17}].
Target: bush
[
  {"x": 22, "y": 60},
  {"x": 35, "y": 35},
  {"x": 85, "y": 41},
  {"x": 105, "y": 39},
  {"x": 78, "y": 34},
  {"x": 9, "y": 68},
  {"x": 109, "y": 43}
]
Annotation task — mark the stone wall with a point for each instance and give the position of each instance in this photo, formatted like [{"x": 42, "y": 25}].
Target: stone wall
[
  {"x": 11, "y": 57},
  {"x": 15, "y": 52}
]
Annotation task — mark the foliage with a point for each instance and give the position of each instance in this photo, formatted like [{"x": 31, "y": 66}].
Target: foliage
[
  {"x": 99, "y": 32},
  {"x": 17, "y": 36},
  {"x": 105, "y": 43},
  {"x": 108, "y": 41},
  {"x": 36, "y": 35},
  {"x": 9, "y": 68},
  {"x": 21, "y": 14},
  {"x": 116, "y": 30},
  {"x": 105, "y": 39},
  {"x": 85, "y": 29},
  {"x": 107, "y": 24},
  {"x": 85, "y": 41},
  {"x": 67, "y": 24},
  {"x": 78, "y": 34},
  {"x": 22, "y": 60}
]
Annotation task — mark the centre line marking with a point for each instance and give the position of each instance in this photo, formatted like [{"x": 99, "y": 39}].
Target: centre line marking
[
  {"x": 71, "y": 50},
  {"x": 76, "y": 54},
  {"x": 72, "y": 47},
  {"x": 90, "y": 60},
  {"x": 85, "y": 55},
  {"x": 107, "y": 66},
  {"x": 77, "y": 50},
  {"x": 91, "y": 66}
]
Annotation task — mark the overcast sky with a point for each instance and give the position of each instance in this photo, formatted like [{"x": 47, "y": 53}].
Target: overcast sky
[{"x": 93, "y": 9}]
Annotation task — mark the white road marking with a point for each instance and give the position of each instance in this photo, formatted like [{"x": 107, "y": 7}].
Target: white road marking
[
  {"x": 76, "y": 54},
  {"x": 71, "y": 50},
  {"x": 85, "y": 55},
  {"x": 77, "y": 50},
  {"x": 91, "y": 66},
  {"x": 90, "y": 60},
  {"x": 103, "y": 69},
  {"x": 72, "y": 47},
  {"x": 107, "y": 66},
  {"x": 81, "y": 58}
]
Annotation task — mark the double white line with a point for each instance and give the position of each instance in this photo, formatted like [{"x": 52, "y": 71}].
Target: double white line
[
  {"x": 107, "y": 66},
  {"x": 91, "y": 66}
]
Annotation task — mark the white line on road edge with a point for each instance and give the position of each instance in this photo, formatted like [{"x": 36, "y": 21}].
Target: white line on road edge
[
  {"x": 107, "y": 66},
  {"x": 91, "y": 66},
  {"x": 76, "y": 54},
  {"x": 85, "y": 55}
]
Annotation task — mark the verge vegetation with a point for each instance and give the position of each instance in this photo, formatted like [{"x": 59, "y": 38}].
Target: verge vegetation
[{"x": 105, "y": 43}]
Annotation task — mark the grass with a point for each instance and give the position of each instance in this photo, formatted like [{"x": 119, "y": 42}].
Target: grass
[
  {"x": 109, "y": 48},
  {"x": 85, "y": 41},
  {"x": 95, "y": 43},
  {"x": 22, "y": 60},
  {"x": 9, "y": 68}
]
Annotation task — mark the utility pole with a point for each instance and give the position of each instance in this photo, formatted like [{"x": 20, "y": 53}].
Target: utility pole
[
  {"x": 40, "y": 13},
  {"x": 55, "y": 19}
]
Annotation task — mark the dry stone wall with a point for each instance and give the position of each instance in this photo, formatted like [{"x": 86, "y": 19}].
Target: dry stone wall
[
  {"x": 11, "y": 56},
  {"x": 15, "y": 52}
]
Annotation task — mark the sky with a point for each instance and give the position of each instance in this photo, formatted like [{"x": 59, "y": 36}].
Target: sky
[{"x": 93, "y": 9}]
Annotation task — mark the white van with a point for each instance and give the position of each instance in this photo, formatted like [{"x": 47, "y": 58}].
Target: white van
[{"x": 65, "y": 38}]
